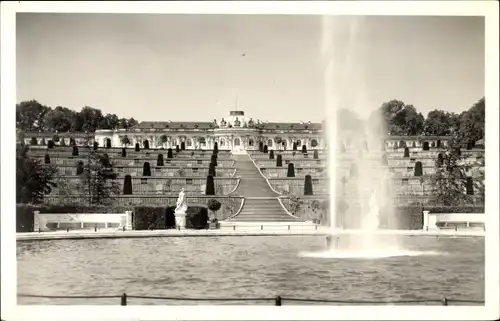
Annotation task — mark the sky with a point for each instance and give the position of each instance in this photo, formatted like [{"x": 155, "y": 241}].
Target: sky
[{"x": 198, "y": 67}]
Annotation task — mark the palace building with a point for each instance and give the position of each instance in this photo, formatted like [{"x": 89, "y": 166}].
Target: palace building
[{"x": 235, "y": 133}]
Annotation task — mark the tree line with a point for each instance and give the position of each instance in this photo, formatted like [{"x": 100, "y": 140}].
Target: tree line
[
  {"x": 32, "y": 116},
  {"x": 400, "y": 119}
]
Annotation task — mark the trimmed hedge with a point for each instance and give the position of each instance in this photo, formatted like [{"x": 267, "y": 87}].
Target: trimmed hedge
[
  {"x": 294, "y": 146},
  {"x": 406, "y": 152},
  {"x": 211, "y": 170},
  {"x": 418, "y": 169},
  {"x": 216, "y": 148},
  {"x": 124, "y": 152},
  {"x": 108, "y": 143},
  {"x": 170, "y": 154},
  {"x": 279, "y": 161},
  {"x": 146, "y": 169},
  {"x": 308, "y": 185},
  {"x": 353, "y": 171},
  {"x": 127, "y": 185},
  {"x": 47, "y": 159},
  {"x": 149, "y": 218},
  {"x": 25, "y": 217},
  {"x": 197, "y": 217},
  {"x": 33, "y": 141},
  {"x": 74, "y": 152},
  {"x": 146, "y": 144},
  {"x": 210, "y": 187},
  {"x": 315, "y": 154},
  {"x": 470, "y": 186},
  {"x": 213, "y": 159},
  {"x": 261, "y": 147},
  {"x": 183, "y": 146},
  {"x": 137, "y": 148},
  {"x": 96, "y": 145},
  {"x": 265, "y": 149},
  {"x": 50, "y": 144},
  {"x": 159, "y": 161},
  {"x": 72, "y": 142},
  {"x": 177, "y": 149},
  {"x": 304, "y": 149},
  {"x": 271, "y": 154},
  {"x": 291, "y": 170},
  {"x": 79, "y": 168}
]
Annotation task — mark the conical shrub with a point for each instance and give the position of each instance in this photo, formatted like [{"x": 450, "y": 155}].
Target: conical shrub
[
  {"x": 159, "y": 161},
  {"x": 279, "y": 162},
  {"x": 308, "y": 186},
  {"x": 271, "y": 154},
  {"x": 210, "y": 187},
  {"x": 418, "y": 169},
  {"x": 146, "y": 169},
  {"x": 291, "y": 170},
  {"x": 127, "y": 185}
]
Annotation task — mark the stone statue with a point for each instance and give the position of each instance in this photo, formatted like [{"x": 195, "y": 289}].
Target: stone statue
[
  {"x": 222, "y": 123},
  {"x": 237, "y": 123},
  {"x": 181, "y": 203}
]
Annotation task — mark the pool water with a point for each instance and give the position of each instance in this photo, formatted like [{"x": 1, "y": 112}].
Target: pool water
[{"x": 242, "y": 267}]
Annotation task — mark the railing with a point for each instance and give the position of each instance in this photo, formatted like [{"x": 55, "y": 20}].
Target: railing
[{"x": 278, "y": 300}]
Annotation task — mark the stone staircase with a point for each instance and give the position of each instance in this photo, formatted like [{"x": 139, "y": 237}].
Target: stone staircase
[
  {"x": 261, "y": 203},
  {"x": 263, "y": 210}
]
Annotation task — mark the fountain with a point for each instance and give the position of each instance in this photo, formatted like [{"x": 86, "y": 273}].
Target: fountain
[{"x": 360, "y": 235}]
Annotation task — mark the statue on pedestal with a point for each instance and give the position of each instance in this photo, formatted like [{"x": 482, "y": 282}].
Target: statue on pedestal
[
  {"x": 181, "y": 203},
  {"x": 237, "y": 123},
  {"x": 180, "y": 210}
]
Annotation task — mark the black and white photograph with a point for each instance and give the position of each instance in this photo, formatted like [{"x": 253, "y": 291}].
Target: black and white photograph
[{"x": 251, "y": 159}]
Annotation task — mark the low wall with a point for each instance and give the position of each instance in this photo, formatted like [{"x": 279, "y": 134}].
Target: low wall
[
  {"x": 48, "y": 221},
  {"x": 229, "y": 205},
  {"x": 431, "y": 220}
]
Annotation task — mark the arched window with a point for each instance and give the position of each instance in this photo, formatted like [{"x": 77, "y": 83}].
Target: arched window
[
  {"x": 189, "y": 143},
  {"x": 298, "y": 143},
  {"x": 270, "y": 143},
  {"x": 222, "y": 142},
  {"x": 236, "y": 142},
  {"x": 250, "y": 142},
  {"x": 425, "y": 146}
]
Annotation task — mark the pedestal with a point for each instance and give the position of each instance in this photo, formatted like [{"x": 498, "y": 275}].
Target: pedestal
[
  {"x": 426, "y": 220},
  {"x": 180, "y": 220}
]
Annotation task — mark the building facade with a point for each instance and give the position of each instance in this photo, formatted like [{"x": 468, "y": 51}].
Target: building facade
[{"x": 236, "y": 133}]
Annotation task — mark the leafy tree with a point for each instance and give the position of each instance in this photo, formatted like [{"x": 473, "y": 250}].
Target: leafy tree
[
  {"x": 98, "y": 180},
  {"x": 441, "y": 123},
  {"x": 472, "y": 123},
  {"x": 33, "y": 180},
  {"x": 59, "y": 119},
  {"x": 30, "y": 116},
  {"x": 449, "y": 180},
  {"x": 399, "y": 119}
]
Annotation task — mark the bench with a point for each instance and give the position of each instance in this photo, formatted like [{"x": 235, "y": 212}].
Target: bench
[
  {"x": 52, "y": 221},
  {"x": 433, "y": 221}
]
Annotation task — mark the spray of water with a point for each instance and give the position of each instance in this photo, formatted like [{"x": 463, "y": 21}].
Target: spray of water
[{"x": 355, "y": 155}]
